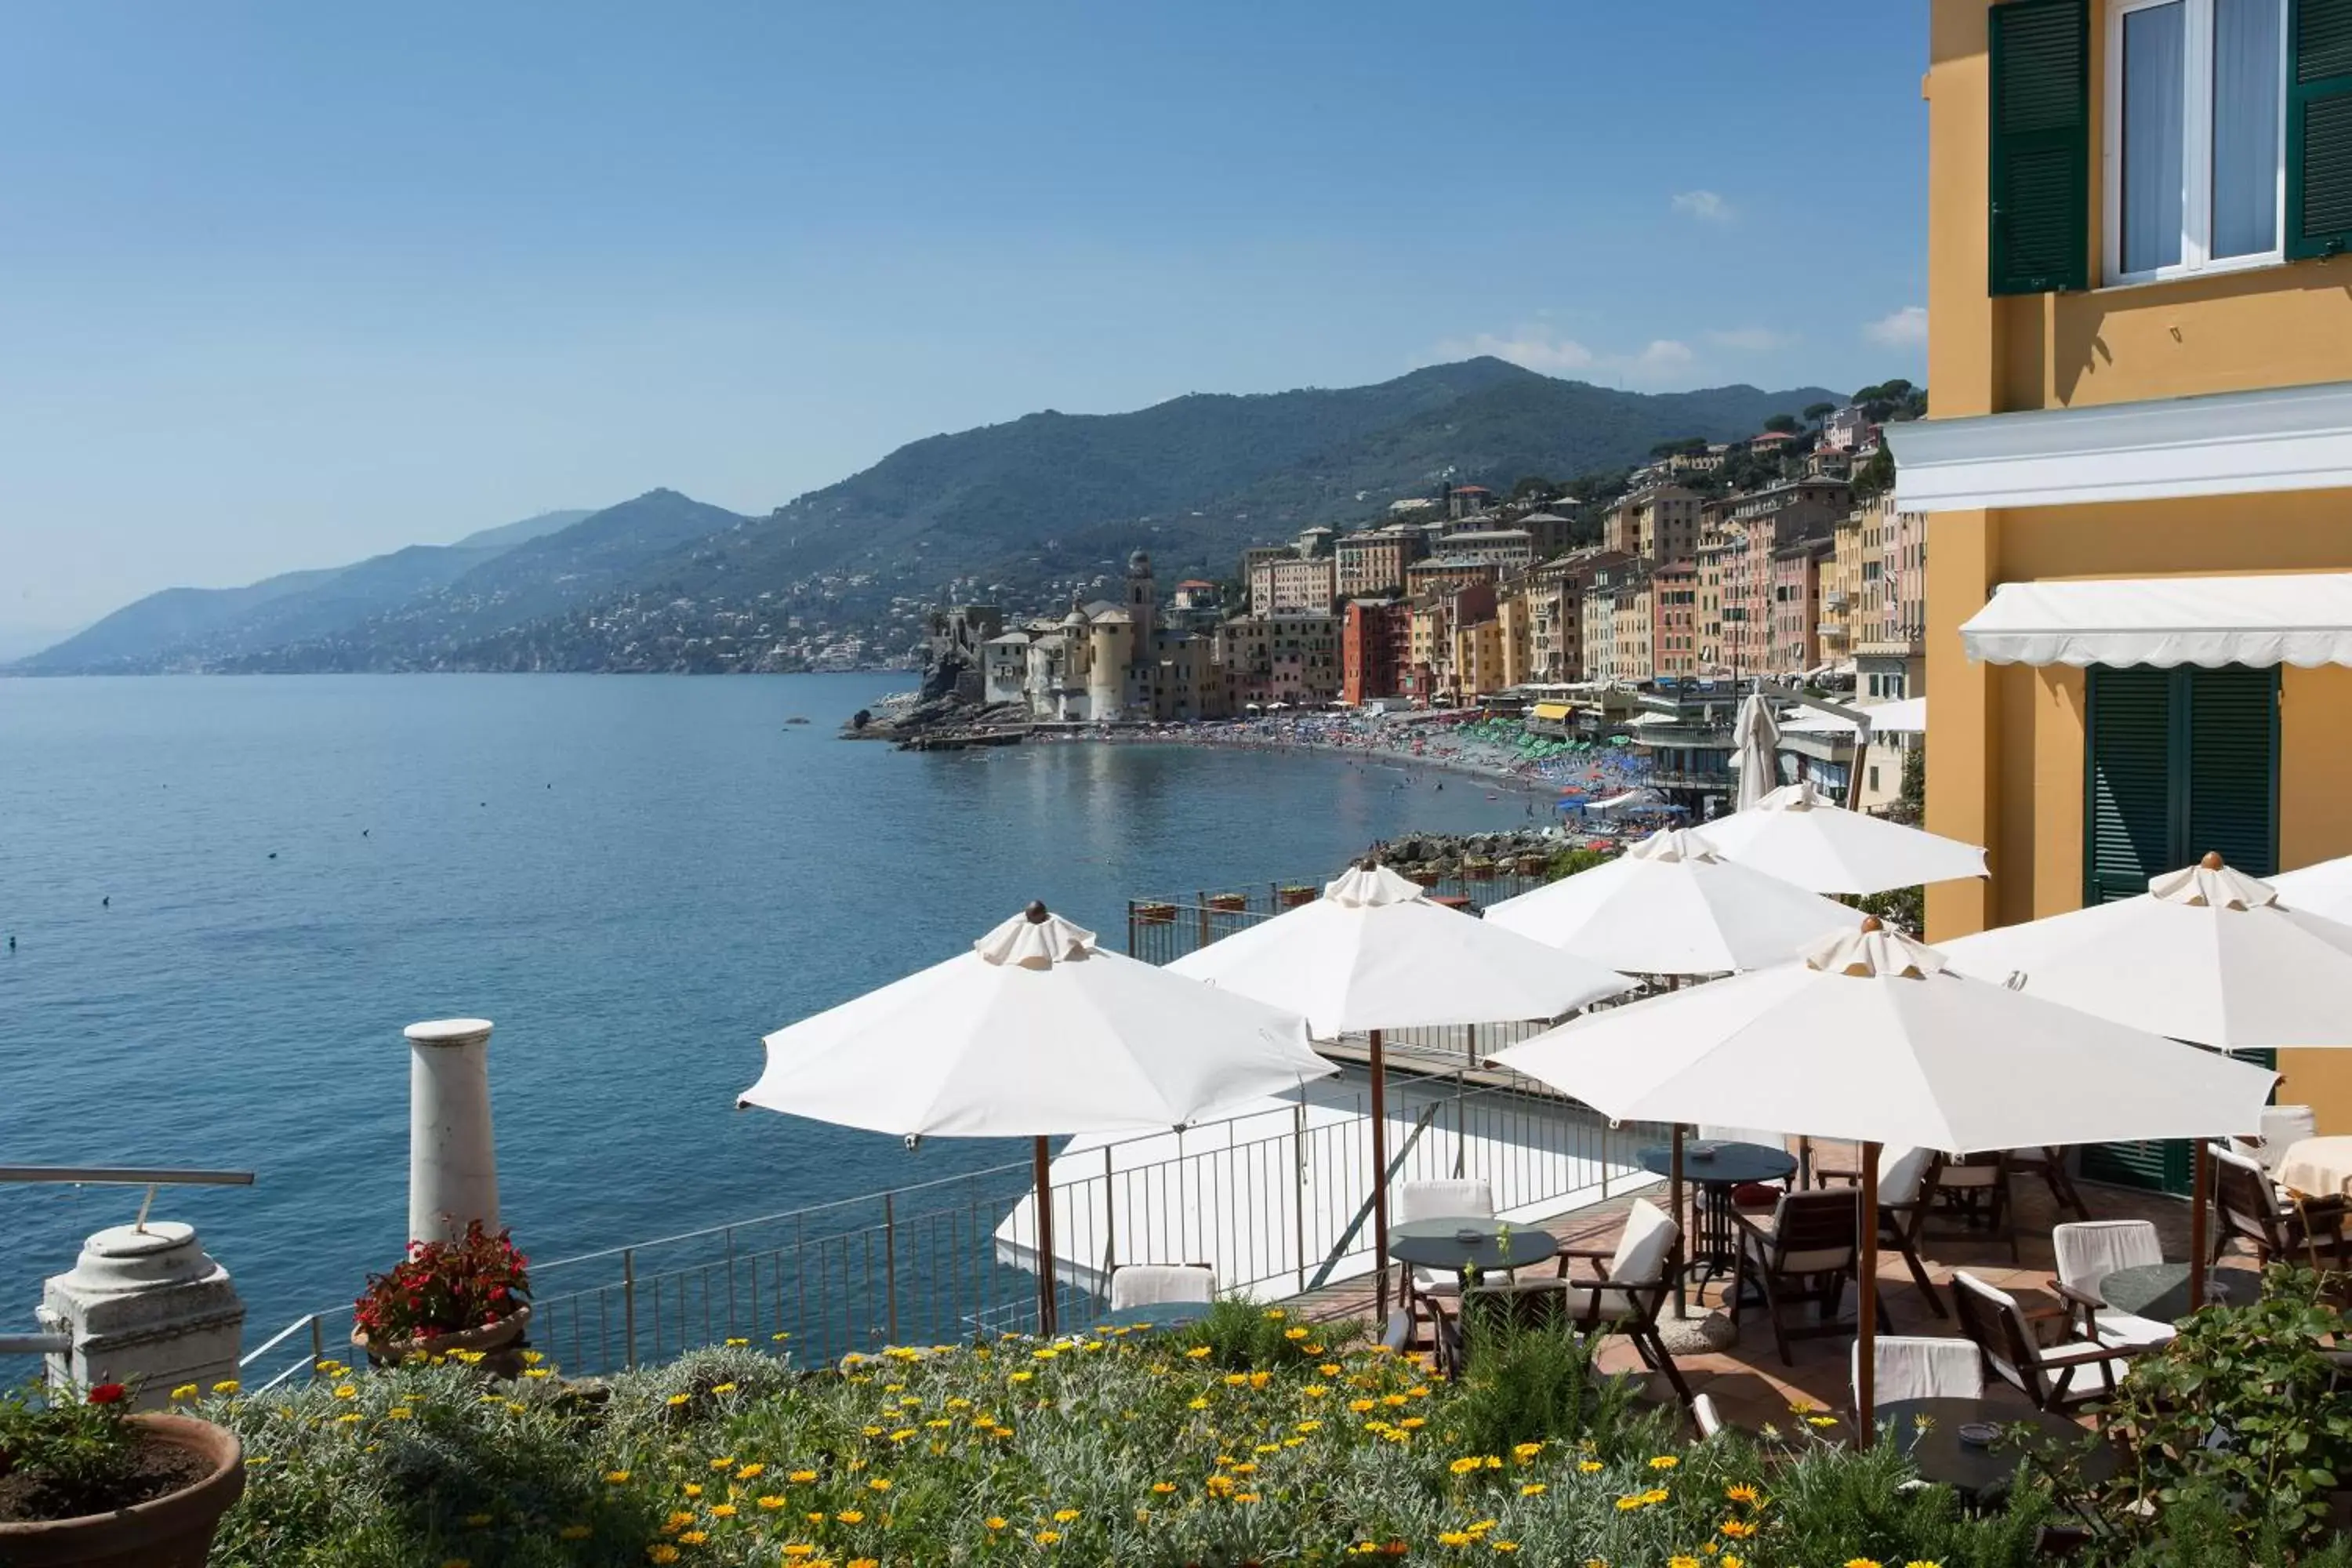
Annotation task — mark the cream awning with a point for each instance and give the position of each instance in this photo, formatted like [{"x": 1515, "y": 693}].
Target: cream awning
[{"x": 2301, "y": 618}]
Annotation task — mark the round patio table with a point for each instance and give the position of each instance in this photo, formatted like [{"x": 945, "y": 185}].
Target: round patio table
[
  {"x": 2160, "y": 1291},
  {"x": 1937, "y": 1451},
  {"x": 1156, "y": 1315},
  {"x": 1463, "y": 1244},
  {"x": 2318, "y": 1167},
  {"x": 1715, "y": 1247}
]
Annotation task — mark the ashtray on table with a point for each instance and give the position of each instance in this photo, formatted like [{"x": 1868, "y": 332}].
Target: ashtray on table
[{"x": 1978, "y": 1434}]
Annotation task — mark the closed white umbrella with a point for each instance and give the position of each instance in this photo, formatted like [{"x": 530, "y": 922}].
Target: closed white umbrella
[
  {"x": 1035, "y": 1032},
  {"x": 1374, "y": 953},
  {"x": 1757, "y": 740},
  {"x": 1799, "y": 835},
  {"x": 1672, "y": 905},
  {"x": 2207, "y": 953},
  {"x": 1873, "y": 1038}
]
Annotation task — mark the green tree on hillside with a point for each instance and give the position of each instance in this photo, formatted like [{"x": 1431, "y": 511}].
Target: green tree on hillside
[
  {"x": 1816, "y": 413},
  {"x": 1782, "y": 423}
]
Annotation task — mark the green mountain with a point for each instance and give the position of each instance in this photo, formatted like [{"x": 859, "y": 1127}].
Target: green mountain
[
  {"x": 542, "y": 578},
  {"x": 667, "y": 583},
  {"x": 199, "y": 628},
  {"x": 507, "y": 535},
  {"x": 1209, "y": 474}
]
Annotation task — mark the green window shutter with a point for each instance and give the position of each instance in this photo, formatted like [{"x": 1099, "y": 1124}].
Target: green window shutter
[
  {"x": 2129, "y": 813},
  {"x": 2040, "y": 157},
  {"x": 2232, "y": 767},
  {"x": 2319, "y": 128}
]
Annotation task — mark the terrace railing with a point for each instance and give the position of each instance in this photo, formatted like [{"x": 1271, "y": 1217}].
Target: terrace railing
[{"x": 1279, "y": 1201}]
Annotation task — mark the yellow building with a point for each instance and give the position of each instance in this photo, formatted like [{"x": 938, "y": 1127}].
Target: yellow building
[
  {"x": 2137, "y": 472},
  {"x": 1478, "y": 658},
  {"x": 1515, "y": 607}
]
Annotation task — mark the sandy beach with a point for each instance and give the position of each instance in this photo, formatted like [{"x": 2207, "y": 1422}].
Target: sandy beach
[{"x": 1495, "y": 751}]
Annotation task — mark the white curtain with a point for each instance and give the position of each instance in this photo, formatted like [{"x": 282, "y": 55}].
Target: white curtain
[
  {"x": 2154, "y": 40},
  {"x": 2246, "y": 54}
]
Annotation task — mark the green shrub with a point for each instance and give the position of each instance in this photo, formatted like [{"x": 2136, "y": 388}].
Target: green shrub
[
  {"x": 1524, "y": 1385},
  {"x": 1241, "y": 1336}
]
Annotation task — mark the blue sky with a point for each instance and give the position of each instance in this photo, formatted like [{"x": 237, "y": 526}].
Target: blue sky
[{"x": 287, "y": 285}]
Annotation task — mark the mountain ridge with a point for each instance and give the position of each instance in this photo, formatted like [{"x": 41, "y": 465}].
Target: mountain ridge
[{"x": 663, "y": 582}]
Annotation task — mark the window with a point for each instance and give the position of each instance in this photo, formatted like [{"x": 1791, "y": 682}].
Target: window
[{"x": 2196, "y": 136}]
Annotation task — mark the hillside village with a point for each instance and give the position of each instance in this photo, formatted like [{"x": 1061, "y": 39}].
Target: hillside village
[{"x": 1780, "y": 556}]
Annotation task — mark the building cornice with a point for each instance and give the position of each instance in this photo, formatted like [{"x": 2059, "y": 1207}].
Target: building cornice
[{"x": 2231, "y": 443}]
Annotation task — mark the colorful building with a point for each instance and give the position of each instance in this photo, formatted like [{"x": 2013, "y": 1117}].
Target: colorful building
[{"x": 2138, "y": 469}]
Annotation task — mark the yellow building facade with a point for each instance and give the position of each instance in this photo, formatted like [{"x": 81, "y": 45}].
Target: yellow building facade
[{"x": 2140, "y": 358}]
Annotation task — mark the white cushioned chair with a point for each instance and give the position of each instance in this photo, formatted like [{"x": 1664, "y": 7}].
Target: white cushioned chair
[
  {"x": 2283, "y": 1127},
  {"x": 2088, "y": 1253},
  {"x": 1438, "y": 1200},
  {"x": 1628, "y": 1285},
  {"x": 1907, "y": 1367},
  {"x": 1151, "y": 1284},
  {"x": 2055, "y": 1377},
  {"x": 1706, "y": 1418}
]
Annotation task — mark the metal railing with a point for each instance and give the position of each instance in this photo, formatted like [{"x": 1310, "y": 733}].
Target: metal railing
[
  {"x": 147, "y": 1176},
  {"x": 1278, "y": 1200},
  {"x": 1161, "y": 931}
]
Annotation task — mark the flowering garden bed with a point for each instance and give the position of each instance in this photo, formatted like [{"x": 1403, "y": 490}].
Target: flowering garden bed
[{"x": 1248, "y": 1439}]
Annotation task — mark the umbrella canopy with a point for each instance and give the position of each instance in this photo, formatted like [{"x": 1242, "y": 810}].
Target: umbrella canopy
[
  {"x": 2322, "y": 889},
  {"x": 1799, "y": 835},
  {"x": 1756, "y": 752},
  {"x": 1671, "y": 905},
  {"x": 1873, "y": 1038},
  {"x": 1034, "y": 1033},
  {"x": 2207, "y": 954},
  {"x": 1373, "y": 952}
]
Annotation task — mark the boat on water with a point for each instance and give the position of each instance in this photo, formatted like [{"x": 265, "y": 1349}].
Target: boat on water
[{"x": 795, "y": 719}]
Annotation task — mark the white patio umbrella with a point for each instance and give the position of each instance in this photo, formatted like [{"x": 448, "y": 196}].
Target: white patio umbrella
[
  {"x": 2207, "y": 954},
  {"x": 1756, "y": 741},
  {"x": 1873, "y": 1038},
  {"x": 1035, "y": 1032},
  {"x": 1799, "y": 835},
  {"x": 2325, "y": 889},
  {"x": 1672, "y": 905},
  {"x": 1374, "y": 953}
]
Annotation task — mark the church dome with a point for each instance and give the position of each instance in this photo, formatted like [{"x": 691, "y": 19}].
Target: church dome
[
  {"x": 1139, "y": 565},
  {"x": 1077, "y": 618}
]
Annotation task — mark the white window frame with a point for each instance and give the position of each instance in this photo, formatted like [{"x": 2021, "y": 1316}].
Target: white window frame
[{"x": 2196, "y": 154}]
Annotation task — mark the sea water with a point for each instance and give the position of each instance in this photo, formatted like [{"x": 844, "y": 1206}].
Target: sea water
[{"x": 228, "y": 895}]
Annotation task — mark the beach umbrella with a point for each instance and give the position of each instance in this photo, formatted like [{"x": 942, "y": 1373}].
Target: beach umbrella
[
  {"x": 1873, "y": 1037},
  {"x": 2207, "y": 953},
  {"x": 1373, "y": 953},
  {"x": 1799, "y": 835},
  {"x": 1756, "y": 741},
  {"x": 1671, "y": 905},
  {"x": 1035, "y": 1032}
]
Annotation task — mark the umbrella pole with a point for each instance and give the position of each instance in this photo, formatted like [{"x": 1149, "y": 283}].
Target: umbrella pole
[
  {"x": 1675, "y": 1203},
  {"x": 2200, "y": 1176},
  {"x": 1865, "y": 1372},
  {"x": 1379, "y": 1184},
  {"x": 1042, "y": 1168}
]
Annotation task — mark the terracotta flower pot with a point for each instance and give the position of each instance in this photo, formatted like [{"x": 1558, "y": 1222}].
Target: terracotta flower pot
[
  {"x": 174, "y": 1531},
  {"x": 489, "y": 1339}
]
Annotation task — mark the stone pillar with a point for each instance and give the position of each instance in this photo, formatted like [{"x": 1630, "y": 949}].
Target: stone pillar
[
  {"x": 453, "y": 1162},
  {"x": 145, "y": 1306}
]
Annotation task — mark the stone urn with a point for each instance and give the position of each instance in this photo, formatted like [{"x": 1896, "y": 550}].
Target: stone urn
[
  {"x": 174, "y": 1531},
  {"x": 492, "y": 1340}
]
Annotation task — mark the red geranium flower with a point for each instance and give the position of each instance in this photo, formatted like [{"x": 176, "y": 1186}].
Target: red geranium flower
[{"x": 108, "y": 1393}]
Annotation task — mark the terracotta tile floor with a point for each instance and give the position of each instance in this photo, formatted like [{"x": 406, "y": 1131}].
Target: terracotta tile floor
[{"x": 1749, "y": 1383}]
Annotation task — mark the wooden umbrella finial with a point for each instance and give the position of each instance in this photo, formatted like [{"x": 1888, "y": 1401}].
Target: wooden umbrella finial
[
  {"x": 1036, "y": 912},
  {"x": 1872, "y": 923},
  {"x": 2212, "y": 861}
]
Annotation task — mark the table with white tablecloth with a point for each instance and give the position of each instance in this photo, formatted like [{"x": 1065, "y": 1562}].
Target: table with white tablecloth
[{"x": 2318, "y": 1167}]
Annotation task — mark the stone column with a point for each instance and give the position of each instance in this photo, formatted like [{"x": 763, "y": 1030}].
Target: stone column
[
  {"x": 147, "y": 1306},
  {"x": 453, "y": 1162}
]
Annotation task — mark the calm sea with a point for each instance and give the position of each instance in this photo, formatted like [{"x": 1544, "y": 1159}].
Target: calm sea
[{"x": 228, "y": 895}]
